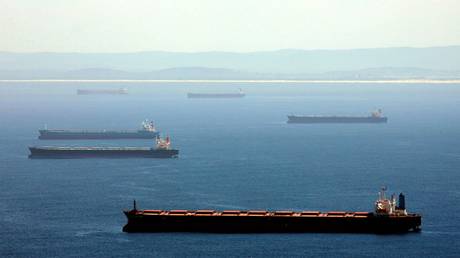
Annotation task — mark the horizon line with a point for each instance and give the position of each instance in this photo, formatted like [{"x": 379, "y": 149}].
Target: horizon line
[
  {"x": 408, "y": 81},
  {"x": 223, "y": 51}
]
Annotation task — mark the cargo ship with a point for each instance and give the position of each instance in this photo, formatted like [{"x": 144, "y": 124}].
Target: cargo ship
[
  {"x": 148, "y": 131},
  {"x": 239, "y": 94},
  {"x": 387, "y": 218},
  {"x": 374, "y": 117},
  {"x": 120, "y": 91},
  {"x": 161, "y": 150}
]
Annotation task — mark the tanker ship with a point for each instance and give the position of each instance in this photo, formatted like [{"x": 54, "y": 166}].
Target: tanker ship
[
  {"x": 161, "y": 150},
  {"x": 120, "y": 91},
  {"x": 387, "y": 218},
  {"x": 374, "y": 117},
  {"x": 239, "y": 94},
  {"x": 147, "y": 131}
]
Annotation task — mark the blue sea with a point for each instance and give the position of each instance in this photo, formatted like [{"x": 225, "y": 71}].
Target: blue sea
[{"x": 234, "y": 154}]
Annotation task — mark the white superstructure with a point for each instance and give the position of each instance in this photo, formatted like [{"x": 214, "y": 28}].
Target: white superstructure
[
  {"x": 384, "y": 206},
  {"x": 148, "y": 126}
]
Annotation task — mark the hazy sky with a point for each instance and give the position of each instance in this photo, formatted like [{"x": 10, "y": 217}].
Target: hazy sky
[{"x": 233, "y": 25}]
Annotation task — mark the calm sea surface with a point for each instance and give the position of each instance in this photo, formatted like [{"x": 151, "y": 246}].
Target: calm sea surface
[{"x": 234, "y": 154}]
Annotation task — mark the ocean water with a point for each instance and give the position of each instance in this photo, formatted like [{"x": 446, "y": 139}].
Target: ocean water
[{"x": 234, "y": 154}]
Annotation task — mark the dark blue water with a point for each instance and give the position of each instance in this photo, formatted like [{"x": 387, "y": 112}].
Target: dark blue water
[{"x": 235, "y": 154}]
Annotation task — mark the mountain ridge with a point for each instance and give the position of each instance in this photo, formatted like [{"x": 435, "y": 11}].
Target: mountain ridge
[
  {"x": 197, "y": 73},
  {"x": 281, "y": 62}
]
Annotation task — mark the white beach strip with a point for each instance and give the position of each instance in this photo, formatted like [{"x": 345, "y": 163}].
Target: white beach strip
[{"x": 409, "y": 81}]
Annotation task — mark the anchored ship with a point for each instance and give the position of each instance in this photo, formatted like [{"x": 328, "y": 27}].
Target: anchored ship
[
  {"x": 374, "y": 117},
  {"x": 161, "y": 150},
  {"x": 239, "y": 94},
  {"x": 387, "y": 218},
  {"x": 148, "y": 131},
  {"x": 120, "y": 91}
]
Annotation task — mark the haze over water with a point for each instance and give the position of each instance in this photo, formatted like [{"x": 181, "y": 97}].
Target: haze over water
[{"x": 234, "y": 154}]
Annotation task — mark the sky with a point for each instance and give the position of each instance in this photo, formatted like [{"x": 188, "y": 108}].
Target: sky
[{"x": 218, "y": 25}]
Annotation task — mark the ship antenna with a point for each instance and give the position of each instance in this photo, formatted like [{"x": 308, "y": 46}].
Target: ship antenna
[
  {"x": 134, "y": 205},
  {"x": 382, "y": 193}
]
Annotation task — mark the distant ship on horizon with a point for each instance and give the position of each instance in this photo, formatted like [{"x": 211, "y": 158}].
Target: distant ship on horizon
[
  {"x": 148, "y": 131},
  {"x": 238, "y": 94},
  {"x": 120, "y": 91},
  {"x": 374, "y": 117}
]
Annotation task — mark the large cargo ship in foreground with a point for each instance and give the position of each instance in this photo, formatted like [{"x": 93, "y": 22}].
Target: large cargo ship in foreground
[
  {"x": 161, "y": 150},
  {"x": 239, "y": 94},
  {"x": 148, "y": 131},
  {"x": 387, "y": 218},
  {"x": 120, "y": 91},
  {"x": 375, "y": 117}
]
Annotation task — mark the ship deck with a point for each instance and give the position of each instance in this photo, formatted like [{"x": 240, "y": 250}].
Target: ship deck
[
  {"x": 332, "y": 116},
  {"x": 92, "y": 131},
  {"x": 258, "y": 213},
  {"x": 91, "y": 148}
]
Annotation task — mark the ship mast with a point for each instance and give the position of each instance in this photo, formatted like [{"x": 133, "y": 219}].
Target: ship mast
[{"x": 163, "y": 144}]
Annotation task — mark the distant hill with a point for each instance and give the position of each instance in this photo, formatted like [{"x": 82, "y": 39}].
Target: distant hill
[
  {"x": 432, "y": 62},
  {"x": 177, "y": 73},
  {"x": 203, "y": 73}
]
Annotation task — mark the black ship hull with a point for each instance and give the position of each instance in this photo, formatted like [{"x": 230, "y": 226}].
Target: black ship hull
[
  {"x": 78, "y": 153},
  {"x": 271, "y": 224},
  {"x": 334, "y": 120},
  {"x": 92, "y": 135}
]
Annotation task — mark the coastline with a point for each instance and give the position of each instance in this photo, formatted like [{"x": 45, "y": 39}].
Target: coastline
[{"x": 408, "y": 81}]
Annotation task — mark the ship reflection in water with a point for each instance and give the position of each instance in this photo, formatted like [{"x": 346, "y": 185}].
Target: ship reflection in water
[{"x": 387, "y": 218}]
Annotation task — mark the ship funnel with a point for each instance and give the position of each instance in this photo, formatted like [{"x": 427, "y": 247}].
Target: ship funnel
[{"x": 402, "y": 202}]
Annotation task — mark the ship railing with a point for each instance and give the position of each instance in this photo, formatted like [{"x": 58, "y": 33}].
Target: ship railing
[
  {"x": 252, "y": 213},
  {"x": 257, "y": 213},
  {"x": 230, "y": 213},
  {"x": 90, "y": 148},
  {"x": 361, "y": 214},
  {"x": 153, "y": 212},
  {"x": 283, "y": 213},
  {"x": 310, "y": 213},
  {"x": 336, "y": 214},
  {"x": 205, "y": 212},
  {"x": 178, "y": 212},
  {"x": 405, "y": 215}
]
